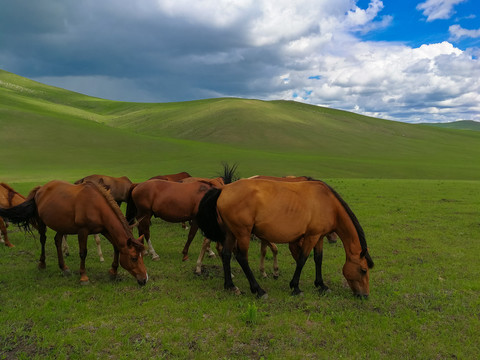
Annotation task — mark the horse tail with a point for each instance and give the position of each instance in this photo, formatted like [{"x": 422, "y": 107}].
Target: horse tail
[
  {"x": 131, "y": 211},
  {"x": 206, "y": 217},
  {"x": 24, "y": 214},
  {"x": 229, "y": 173},
  {"x": 358, "y": 227}
]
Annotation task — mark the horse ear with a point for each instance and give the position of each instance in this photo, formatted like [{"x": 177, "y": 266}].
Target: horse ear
[{"x": 141, "y": 239}]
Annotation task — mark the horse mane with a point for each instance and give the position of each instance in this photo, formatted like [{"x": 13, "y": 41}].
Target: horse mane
[
  {"x": 111, "y": 201},
  {"x": 356, "y": 223}
]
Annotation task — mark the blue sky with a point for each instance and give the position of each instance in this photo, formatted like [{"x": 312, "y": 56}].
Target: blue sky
[
  {"x": 412, "y": 61},
  {"x": 413, "y": 27}
]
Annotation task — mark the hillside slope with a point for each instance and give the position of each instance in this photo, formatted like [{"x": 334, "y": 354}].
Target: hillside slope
[{"x": 47, "y": 127}]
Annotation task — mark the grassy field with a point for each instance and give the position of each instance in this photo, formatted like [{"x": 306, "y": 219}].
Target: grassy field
[
  {"x": 414, "y": 189},
  {"x": 424, "y": 303}
]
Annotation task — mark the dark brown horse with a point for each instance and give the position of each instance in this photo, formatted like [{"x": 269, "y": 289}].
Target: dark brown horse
[
  {"x": 81, "y": 209},
  {"x": 297, "y": 213},
  {"x": 171, "y": 201},
  {"x": 8, "y": 199},
  {"x": 119, "y": 186},
  {"x": 119, "y": 189}
]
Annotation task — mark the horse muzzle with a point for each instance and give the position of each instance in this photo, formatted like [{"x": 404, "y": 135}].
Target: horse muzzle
[{"x": 142, "y": 281}]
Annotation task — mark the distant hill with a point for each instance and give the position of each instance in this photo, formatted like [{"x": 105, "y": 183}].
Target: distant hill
[
  {"x": 51, "y": 132},
  {"x": 459, "y": 125}
]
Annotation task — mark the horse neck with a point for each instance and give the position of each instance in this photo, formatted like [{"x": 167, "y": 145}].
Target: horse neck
[
  {"x": 116, "y": 229},
  {"x": 349, "y": 236}
]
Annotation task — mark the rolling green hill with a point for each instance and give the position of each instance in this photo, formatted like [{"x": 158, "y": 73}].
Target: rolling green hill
[
  {"x": 459, "y": 125},
  {"x": 47, "y": 132}
]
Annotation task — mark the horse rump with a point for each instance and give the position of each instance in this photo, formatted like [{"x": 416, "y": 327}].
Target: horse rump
[{"x": 207, "y": 216}]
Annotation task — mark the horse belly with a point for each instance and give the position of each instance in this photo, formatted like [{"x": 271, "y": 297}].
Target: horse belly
[{"x": 278, "y": 233}]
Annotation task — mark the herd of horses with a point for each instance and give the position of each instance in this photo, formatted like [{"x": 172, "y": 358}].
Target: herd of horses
[{"x": 298, "y": 211}]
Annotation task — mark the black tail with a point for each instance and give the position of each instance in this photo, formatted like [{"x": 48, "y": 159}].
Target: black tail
[
  {"x": 131, "y": 211},
  {"x": 207, "y": 216},
  {"x": 358, "y": 227},
  {"x": 22, "y": 215},
  {"x": 229, "y": 174}
]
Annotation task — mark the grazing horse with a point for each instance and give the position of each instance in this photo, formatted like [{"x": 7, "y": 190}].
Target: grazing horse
[
  {"x": 81, "y": 209},
  {"x": 171, "y": 201},
  {"x": 297, "y": 213},
  {"x": 8, "y": 199},
  {"x": 119, "y": 189},
  {"x": 172, "y": 177}
]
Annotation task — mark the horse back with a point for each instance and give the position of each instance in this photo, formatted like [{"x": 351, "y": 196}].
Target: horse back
[{"x": 277, "y": 211}]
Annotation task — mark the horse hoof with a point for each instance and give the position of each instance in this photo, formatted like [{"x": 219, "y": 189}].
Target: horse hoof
[
  {"x": 84, "y": 282},
  {"x": 297, "y": 292},
  {"x": 263, "y": 297},
  {"x": 275, "y": 276},
  {"x": 102, "y": 259},
  {"x": 67, "y": 272},
  {"x": 185, "y": 258},
  {"x": 236, "y": 291},
  {"x": 155, "y": 258},
  {"x": 42, "y": 266}
]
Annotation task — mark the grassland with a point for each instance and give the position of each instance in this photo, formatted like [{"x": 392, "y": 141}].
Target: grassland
[{"x": 414, "y": 189}]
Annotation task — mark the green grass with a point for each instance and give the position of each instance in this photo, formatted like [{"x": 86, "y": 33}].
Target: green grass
[
  {"x": 424, "y": 292},
  {"x": 414, "y": 189}
]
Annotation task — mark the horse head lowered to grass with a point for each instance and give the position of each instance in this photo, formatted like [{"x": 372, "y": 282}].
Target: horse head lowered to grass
[
  {"x": 297, "y": 213},
  {"x": 81, "y": 209}
]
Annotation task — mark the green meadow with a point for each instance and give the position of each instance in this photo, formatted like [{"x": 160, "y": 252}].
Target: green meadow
[{"x": 414, "y": 189}]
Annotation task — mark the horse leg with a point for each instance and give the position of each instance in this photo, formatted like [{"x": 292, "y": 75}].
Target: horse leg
[
  {"x": 42, "y": 230},
  {"x": 144, "y": 229},
  {"x": 82, "y": 245},
  {"x": 198, "y": 268},
  {"x": 99, "y": 248},
  {"x": 65, "y": 249},
  {"x": 191, "y": 236},
  {"x": 318, "y": 257},
  {"x": 61, "y": 263},
  {"x": 242, "y": 258},
  {"x": 300, "y": 253},
  {"x": 263, "y": 253},
  {"x": 113, "y": 270},
  {"x": 226, "y": 261},
  {"x": 3, "y": 229}
]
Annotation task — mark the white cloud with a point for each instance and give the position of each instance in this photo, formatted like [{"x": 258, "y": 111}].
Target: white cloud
[
  {"x": 438, "y": 9},
  {"x": 457, "y": 32},
  {"x": 306, "y": 50}
]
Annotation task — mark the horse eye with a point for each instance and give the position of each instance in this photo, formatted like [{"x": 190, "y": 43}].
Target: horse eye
[
  {"x": 363, "y": 271},
  {"x": 134, "y": 259}
]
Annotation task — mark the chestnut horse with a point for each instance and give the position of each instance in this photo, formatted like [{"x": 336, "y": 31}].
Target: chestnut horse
[
  {"x": 119, "y": 189},
  {"x": 297, "y": 213},
  {"x": 171, "y": 201},
  {"x": 81, "y": 209},
  {"x": 8, "y": 198},
  {"x": 172, "y": 177}
]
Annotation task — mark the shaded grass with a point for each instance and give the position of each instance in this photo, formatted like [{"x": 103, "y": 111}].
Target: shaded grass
[{"x": 424, "y": 292}]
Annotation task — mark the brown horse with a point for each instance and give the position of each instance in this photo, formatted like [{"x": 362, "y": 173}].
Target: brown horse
[
  {"x": 8, "y": 199},
  {"x": 81, "y": 209},
  {"x": 119, "y": 186},
  {"x": 297, "y": 213},
  {"x": 170, "y": 201},
  {"x": 119, "y": 189},
  {"x": 172, "y": 177}
]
